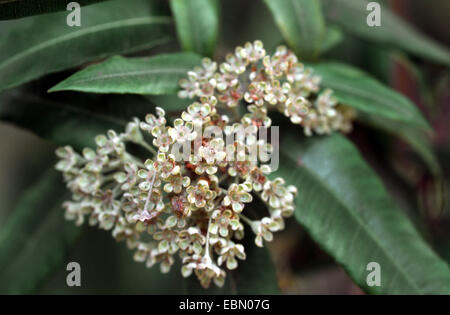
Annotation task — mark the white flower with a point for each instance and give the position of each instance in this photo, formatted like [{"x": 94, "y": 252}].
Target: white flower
[
  {"x": 229, "y": 253},
  {"x": 182, "y": 132},
  {"x": 197, "y": 113},
  {"x": 236, "y": 196},
  {"x": 263, "y": 230}
]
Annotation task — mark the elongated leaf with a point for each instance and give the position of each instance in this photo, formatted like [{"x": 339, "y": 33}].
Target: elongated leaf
[
  {"x": 346, "y": 209},
  {"x": 197, "y": 23},
  {"x": 35, "y": 238},
  {"x": 70, "y": 118},
  {"x": 333, "y": 37},
  {"x": 357, "y": 89},
  {"x": 381, "y": 62},
  {"x": 417, "y": 139},
  {"x": 45, "y": 44},
  {"x": 155, "y": 75},
  {"x": 13, "y": 9},
  {"x": 352, "y": 16},
  {"x": 301, "y": 23}
]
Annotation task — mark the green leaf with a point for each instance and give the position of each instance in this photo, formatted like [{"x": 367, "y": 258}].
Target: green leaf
[
  {"x": 36, "y": 238},
  {"x": 417, "y": 139},
  {"x": 70, "y": 118},
  {"x": 359, "y": 90},
  {"x": 197, "y": 24},
  {"x": 14, "y": 9},
  {"x": 382, "y": 63},
  {"x": 348, "y": 212},
  {"x": 45, "y": 44},
  {"x": 301, "y": 23},
  {"x": 352, "y": 15},
  {"x": 155, "y": 75},
  {"x": 333, "y": 37}
]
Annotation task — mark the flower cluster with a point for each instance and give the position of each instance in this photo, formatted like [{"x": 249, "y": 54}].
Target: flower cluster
[
  {"x": 265, "y": 83},
  {"x": 196, "y": 206}
]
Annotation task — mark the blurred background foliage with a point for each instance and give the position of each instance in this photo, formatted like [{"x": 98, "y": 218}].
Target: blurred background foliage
[{"x": 418, "y": 183}]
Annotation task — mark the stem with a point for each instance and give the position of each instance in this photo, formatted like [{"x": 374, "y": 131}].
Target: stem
[
  {"x": 249, "y": 222},
  {"x": 207, "y": 256},
  {"x": 135, "y": 159},
  {"x": 149, "y": 148},
  {"x": 246, "y": 220},
  {"x": 117, "y": 191},
  {"x": 149, "y": 193}
]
